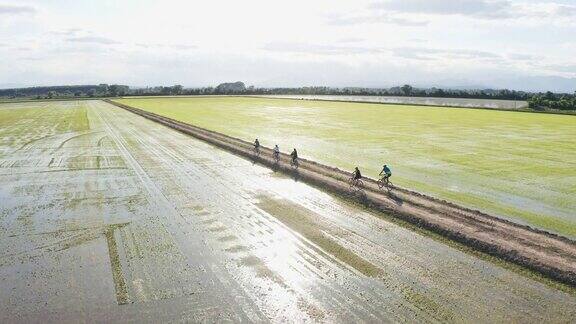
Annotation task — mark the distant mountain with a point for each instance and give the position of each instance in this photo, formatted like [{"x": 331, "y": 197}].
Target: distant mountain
[
  {"x": 523, "y": 83},
  {"x": 539, "y": 84},
  {"x": 231, "y": 87},
  {"x": 11, "y": 85}
]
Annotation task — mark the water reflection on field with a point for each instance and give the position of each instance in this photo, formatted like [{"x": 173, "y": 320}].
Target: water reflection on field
[{"x": 428, "y": 101}]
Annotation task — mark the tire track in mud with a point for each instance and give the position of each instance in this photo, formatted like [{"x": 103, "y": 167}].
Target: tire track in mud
[
  {"x": 242, "y": 308},
  {"x": 167, "y": 157},
  {"x": 122, "y": 296},
  {"x": 173, "y": 162},
  {"x": 360, "y": 294},
  {"x": 67, "y": 238},
  {"x": 76, "y": 136},
  {"x": 57, "y": 265},
  {"x": 218, "y": 228},
  {"x": 549, "y": 254},
  {"x": 122, "y": 293}
]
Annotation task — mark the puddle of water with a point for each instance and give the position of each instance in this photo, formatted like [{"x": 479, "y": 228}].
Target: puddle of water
[
  {"x": 301, "y": 220},
  {"x": 262, "y": 270}
]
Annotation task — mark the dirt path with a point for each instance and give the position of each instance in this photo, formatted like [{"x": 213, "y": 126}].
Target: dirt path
[{"x": 549, "y": 254}]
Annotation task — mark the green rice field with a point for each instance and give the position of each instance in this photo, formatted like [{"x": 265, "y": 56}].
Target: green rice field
[{"x": 520, "y": 166}]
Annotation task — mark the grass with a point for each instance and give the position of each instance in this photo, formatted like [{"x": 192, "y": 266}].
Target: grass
[
  {"x": 520, "y": 166},
  {"x": 25, "y": 123}
]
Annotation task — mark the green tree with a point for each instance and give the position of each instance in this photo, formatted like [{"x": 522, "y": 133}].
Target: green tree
[
  {"x": 407, "y": 89},
  {"x": 118, "y": 90},
  {"x": 177, "y": 89},
  {"x": 102, "y": 89}
]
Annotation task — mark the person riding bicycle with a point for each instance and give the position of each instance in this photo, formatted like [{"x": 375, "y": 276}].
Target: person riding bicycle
[
  {"x": 357, "y": 175},
  {"x": 386, "y": 172},
  {"x": 294, "y": 156},
  {"x": 256, "y": 144}
]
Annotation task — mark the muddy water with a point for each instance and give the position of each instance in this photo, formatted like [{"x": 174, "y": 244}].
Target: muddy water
[{"x": 118, "y": 218}]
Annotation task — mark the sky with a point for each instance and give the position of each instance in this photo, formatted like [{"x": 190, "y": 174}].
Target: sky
[{"x": 523, "y": 45}]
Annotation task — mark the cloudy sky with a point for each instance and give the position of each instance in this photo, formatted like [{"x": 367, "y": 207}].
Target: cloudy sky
[{"x": 524, "y": 44}]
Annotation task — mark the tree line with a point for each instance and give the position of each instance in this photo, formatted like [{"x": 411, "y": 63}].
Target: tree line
[
  {"x": 401, "y": 91},
  {"x": 548, "y": 100},
  {"x": 101, "y": 90},
  {"x": 553, "y": 101}
]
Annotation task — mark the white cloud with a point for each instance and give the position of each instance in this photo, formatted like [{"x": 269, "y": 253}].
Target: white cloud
[
  {"x": 479, "y": 9},
  {"x": 332, "y": 42},
  {"x": 475, "y": 8},
  {"x": 349, "y": 40},
  {"x": 6, "y": 9},
  {"x": 325, "y": 49},
  {"x": 567, "y": 68},
  {"x": 370, "y": 18},
  {"x": 66, "y": 32},
  {"x": 168, "y": 46},
  {"x": 423, "y": 53},
  {"x": 93, "y": 40}
]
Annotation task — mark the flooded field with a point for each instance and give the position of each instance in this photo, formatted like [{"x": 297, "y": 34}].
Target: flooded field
[
  {"x": 105, "y": 215},
  {"x": 427, "y": 101},
  {"x": 519, "y": 166}
]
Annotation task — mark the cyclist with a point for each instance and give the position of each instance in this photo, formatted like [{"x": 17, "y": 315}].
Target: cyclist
[
  {"x": 257, "y": 146},
  {"x": 357, "y": 175},
  {"x": 294, "y": 156},
  {"x": 386, "y": 173},
  {"x": 276, "y": 153},
  {"x": 355, "y": 180}
]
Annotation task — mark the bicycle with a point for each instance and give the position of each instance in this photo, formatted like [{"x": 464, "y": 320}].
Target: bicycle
[
  {"x": 276, "y": 156},
  {"x": 355, "y": 184},
  {"x": 294, "y": 163},
  {"x": 383, "y": 182}
]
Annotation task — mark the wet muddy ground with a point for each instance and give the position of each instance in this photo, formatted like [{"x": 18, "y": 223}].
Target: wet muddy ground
[{"x": 106, "y": 215}]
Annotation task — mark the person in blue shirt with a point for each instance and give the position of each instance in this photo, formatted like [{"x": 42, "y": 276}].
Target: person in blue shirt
[{"x": 386, "y": 173}]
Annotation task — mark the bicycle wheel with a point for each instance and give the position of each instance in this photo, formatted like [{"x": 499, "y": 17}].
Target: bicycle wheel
[
  {"x": 389, "y": 184},
  {"x": 351, "y": 183}
]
